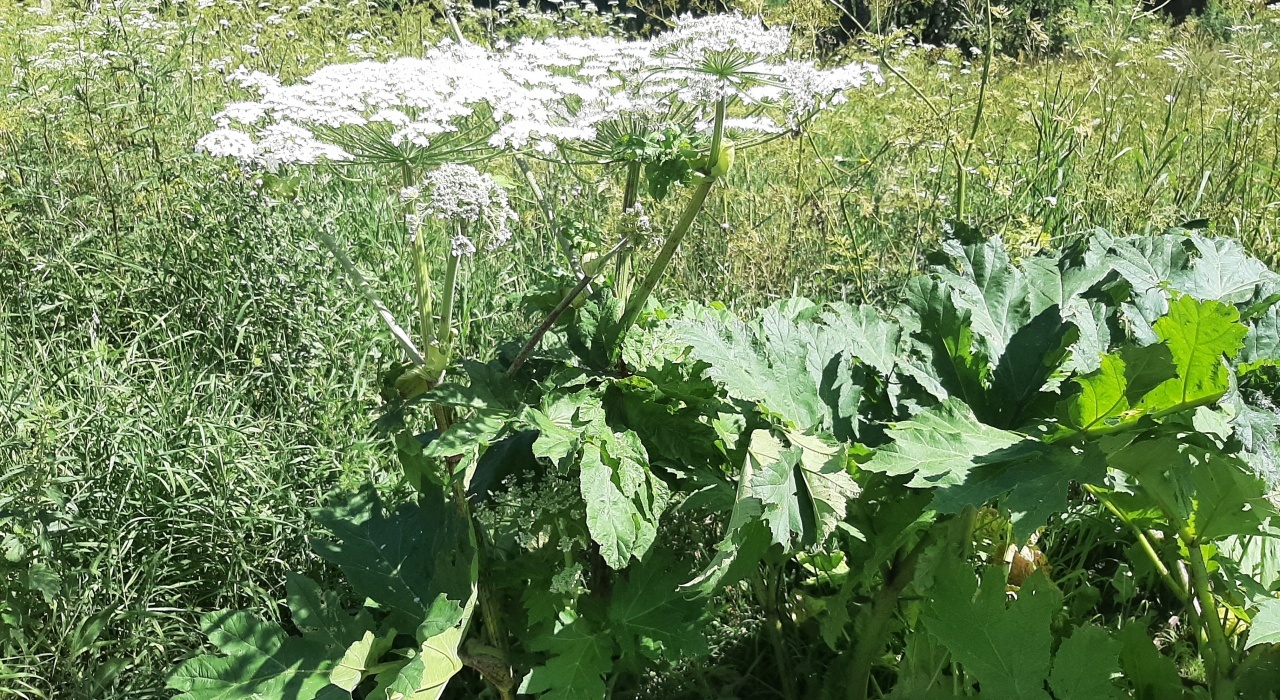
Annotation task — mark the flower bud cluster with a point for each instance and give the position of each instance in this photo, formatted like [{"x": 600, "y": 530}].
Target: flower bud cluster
[{"x": 460, "y": 194}]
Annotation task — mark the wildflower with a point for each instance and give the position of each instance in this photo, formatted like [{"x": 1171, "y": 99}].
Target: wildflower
[
  {"x": 228, "y": 143},
  {"x": 460, "y": 193}
]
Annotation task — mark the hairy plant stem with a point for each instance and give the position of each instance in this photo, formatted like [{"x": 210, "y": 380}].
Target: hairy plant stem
[
  {"x": 876, "y": 619},
  {"x": 1222, "y": 666},
  {"x": 1144, "y": 542},
  {"x": 557, "y": 312},
  {"x": 440, "y": 339},
  {"x": 421, "y": 263},
  {"x": 637, "y": 300},
  {"x": 549, "y": 215},
  {"x": 766, "y": 589},
  {"x": 622, "y": 267},
  {"x": 362, "y": 285},
  {"x": 444, "y": 332}
]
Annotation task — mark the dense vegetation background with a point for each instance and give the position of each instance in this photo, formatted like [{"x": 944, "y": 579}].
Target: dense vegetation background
[{"x": 183, "y": 373}]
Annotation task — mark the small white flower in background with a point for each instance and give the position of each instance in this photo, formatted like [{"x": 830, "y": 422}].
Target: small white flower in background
[
  {"x": 1053, "y": 201},
  {"x": 228, "y": 143},
  {"x": 459, "y": 193}
]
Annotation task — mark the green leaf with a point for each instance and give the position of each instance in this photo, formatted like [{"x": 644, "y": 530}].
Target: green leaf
[
  {"x": 260, "y": 661},
  {"x": 1261, "y": 345},
  {"x": 1084, "y": 664},
  {"x": 1265, "y": 627},
  {"x": 939, "y": 446},
  {"x": 1222, "y": 271},
  {"x": 427, "y": 674},
  {"x": 1217, "y": 496},
  {"x": 1061, "y": 280},
  {"x": 992, "y": 290},
  {"x": 1198, "y": 335},
  {"x": 44, "y": 580},
  {"x": 318, "y": 613},
  {"x": 944, "y": 340},
  {"x": 1152, "y": 676},
  {"x": 1034, "y": 488},
  {"x": 624, "y": 498},
  {"x": 650, "y": 616},
  {"x": 1148, "y": 262},
  {"x": 1102, "y": 397},
  {"x": 1032, "y": 355},
  {"x": 1005, "y": 647},
  {"x": 802, "y": 487},
  {"x": 475, "y": 431},
  {"x": 867, "y": 335},
  {"x": 764, "y": 363},
  {"x": 489, "y": 388},
  {"x": 359, "y": 660},
  {"x": 415, "y": 561},
  {"x": 579, "y": 659}
]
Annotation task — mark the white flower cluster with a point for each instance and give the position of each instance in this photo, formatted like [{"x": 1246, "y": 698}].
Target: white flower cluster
[
  {"x": 459, "y": 193},
  {"x": 542, "y": 93}
]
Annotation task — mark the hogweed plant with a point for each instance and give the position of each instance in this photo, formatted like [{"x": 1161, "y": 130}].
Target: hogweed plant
[
  {"x": 851, "y": 464},
  {"x": 673, "y": 110}
]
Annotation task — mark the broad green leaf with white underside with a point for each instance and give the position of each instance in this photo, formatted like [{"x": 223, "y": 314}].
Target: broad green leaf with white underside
[
  {"x": 939, "y": 446},
  {"x": 802, "y": 487},
  {"x": 1199, "y": 335},
  {"x": 260, "y": 660},
  {"x": 1006, "y": 647},
  {"x": 1222, "y": 271},
  {"x": 1265, "y": 628},
  {"x": 624, "y": 498},
  {"x": 427, "y": 675}
]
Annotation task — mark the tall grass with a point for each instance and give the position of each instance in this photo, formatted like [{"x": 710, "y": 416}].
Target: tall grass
[{"x": 184, "y": 373}]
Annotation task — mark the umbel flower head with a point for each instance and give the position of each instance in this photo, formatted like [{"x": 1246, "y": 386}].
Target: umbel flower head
[
  {"x": 460, "y": 102},
  {"x": 459, "y": 194}
]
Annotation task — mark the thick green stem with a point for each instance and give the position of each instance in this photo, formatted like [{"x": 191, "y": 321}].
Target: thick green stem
[
  {"x": 362, "y": 285},
  {"x": 872, "y": 638},
  {"x": 549, "y": 215},
  {"x": 637, "y": 300},
  {"x": 555, "y": 314},
  {"x": 640, "y": 297},
  {"x": 1222, "y": 666},
  {"x": 630, "y": 193},
  {"x": 764, "y": 586},
  {"x": 444, "y": 332},
  {"x": 1144, "y": 542},
  {"x": 421, "y": 263}
]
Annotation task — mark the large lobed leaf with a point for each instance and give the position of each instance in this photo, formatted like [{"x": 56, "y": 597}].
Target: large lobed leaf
[
  {"x": 415, "y": 561},
  {"x": 939, "y": 446},
  {"x": 259, "y": 659}
]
